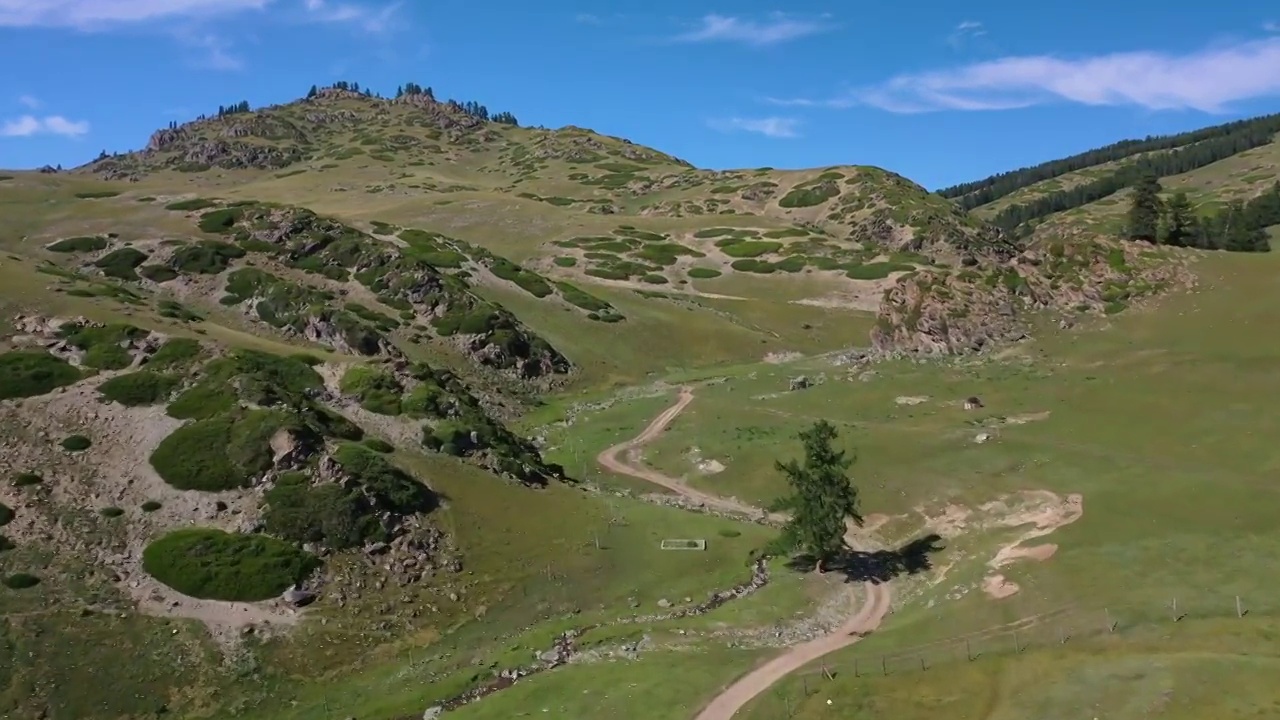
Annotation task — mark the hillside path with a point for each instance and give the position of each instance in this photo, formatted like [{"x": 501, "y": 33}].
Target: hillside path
[{"x": 875, "y": 603}]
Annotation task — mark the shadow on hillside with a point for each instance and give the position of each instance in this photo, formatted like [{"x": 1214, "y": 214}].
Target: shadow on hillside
[{"x": 878, "y": 566}]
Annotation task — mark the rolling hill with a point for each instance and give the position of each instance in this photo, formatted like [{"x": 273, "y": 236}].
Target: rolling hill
[{"x": 299, "y": 404}]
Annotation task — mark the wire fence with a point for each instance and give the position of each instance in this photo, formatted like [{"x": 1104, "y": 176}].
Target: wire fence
[{"x": 1049, "y": 629}]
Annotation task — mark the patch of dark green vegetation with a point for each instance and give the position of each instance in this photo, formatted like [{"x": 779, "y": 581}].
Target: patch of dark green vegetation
[
  {"x": 28, "y": 373},
  {"x": 111, "y": 512},
  {"x": 139, "y": 388},
  {"x": 346, "y": 515},
  {"x": 97, "y": 194},
  {"x": 738, "y": 233},
  {"x": 177, "y": 311},
  {"x": 810, "y": 193},
  {"x": 6, "y": 514},
  {"x": 432, "y": 248},
  {"x": 220, "y": 221},
  {"x": 27, "y": 479},
  {"x": 285, "y": 304},
  {"x": 151, "y": 506},
  {"x": 176, "y": 352},
  {"x": 207, "y": 257},
  {"x": 377, "y": 390},
  {"x": 703, "y": 273},
  {"x": 786, "y": 233},
  {"x": 748, "y": 248},
  {"x": 76, "y": 443},
  {"x": 158, "y": 273},
  {"x": 121, "y": 263},
  {"x": 596, "y": 308},
  {"x": 379, "y": 445},
  {"x": 876, "y": 271},
  {"x": 224, "y": 452},
  {"x": 565, "y": 261},
  {"x": 214, "y": 565},
  {"x": 191, "y": 204},
  {"x": 81, "y": 244},
  {"x": 21, "y": 581},
  {"x": 106, "y": 347}
]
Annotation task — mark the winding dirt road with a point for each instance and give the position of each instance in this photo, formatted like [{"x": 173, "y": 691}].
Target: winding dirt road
[{"x": 875, "y": 604}]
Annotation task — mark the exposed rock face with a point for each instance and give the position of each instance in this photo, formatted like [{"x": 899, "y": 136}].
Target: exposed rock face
[{"x": 935, "y": 312}]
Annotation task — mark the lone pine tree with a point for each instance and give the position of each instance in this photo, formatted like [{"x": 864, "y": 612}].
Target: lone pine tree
[
  {"x": 1144, "y": 212},
  {"x": 822, "y": 497}
]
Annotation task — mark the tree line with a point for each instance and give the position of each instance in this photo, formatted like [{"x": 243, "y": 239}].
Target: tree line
[
  {"x": 470, "y": 107},
  {"x": 1238, "y": 227},
  {"x": 1018, "y": 218},
  {"x": 980, "y": 192}
]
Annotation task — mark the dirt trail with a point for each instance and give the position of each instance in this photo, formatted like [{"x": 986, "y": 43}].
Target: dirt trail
[{"x": 876, "y": 600}]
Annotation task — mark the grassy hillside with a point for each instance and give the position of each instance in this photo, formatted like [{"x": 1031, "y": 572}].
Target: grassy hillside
[{"x": 300, "y": 405}]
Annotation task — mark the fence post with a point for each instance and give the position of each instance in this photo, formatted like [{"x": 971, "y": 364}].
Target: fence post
[
  {"x": 922, "y": 665},
  {"x": 1239, "y": 608}
]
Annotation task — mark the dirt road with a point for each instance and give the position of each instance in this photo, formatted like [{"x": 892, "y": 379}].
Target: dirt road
[{"x": 875, "y": 602}]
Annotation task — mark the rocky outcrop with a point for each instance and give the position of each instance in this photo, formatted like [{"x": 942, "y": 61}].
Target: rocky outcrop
[{"x": 970, "y": 309}]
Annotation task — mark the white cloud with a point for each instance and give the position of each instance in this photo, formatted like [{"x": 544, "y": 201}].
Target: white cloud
[
  {"x": 1208, "y": 80},
  {"x": 370, "y": 18},
  {"x": 966, "y": 30},
  {"x": 29, "y": 125},
  {"x": 215, "y": 51},
  {"x": 588, "y": 19},
  {"x": 1271, "y": 27},
  {"x": 779, "y": 28},
  {"x": 29, "y": 101},
  {"x": 88, "y": 14},
  {"x": 774, "y": 127}
]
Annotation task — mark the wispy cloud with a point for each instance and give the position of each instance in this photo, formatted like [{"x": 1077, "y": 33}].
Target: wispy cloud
[
  {"x": 1271, "y": 27},
  {"x": 588, "y": 19},
  {"x": 778, "y": 28},
  {"x": 97, "y": 14},
  {"x": 212, "y": 52},
  {"x": 1208, "y": 80},
  {"x": 964, "y": 31},
  {"x": 370, "y": 18},
  {"x": 29, "y": 101},
  {"x": 774, "y": 127},
  {"x": 29, "y": 125}
]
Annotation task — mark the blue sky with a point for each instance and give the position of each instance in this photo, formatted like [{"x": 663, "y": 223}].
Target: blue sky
[{"x": 941, "y": 92}]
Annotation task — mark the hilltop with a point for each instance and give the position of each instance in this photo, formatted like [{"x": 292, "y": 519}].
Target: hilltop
[{"x": 299, "y": 402}]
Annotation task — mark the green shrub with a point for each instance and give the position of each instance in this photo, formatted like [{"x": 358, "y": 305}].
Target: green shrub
[
  {"x": 177, "y": 311},
  {"x": 110, "y": 512},
  {"x": 703, "y": 273},
  {"x": 786, "y": 233},
  {"x": 26, "y": 479},
  {"x": 97, "y": 194},
  {"x": 191, "y": 204},
  {"x": 375, "y": 444},
  {"x": 138, "y": 388},
  {"x": 103, "y": 345},
  {"x": 220, "y": 453},
  {"x": 121, "y": 263},
  {"x": 655, "y": 279},
  {"x": 76, "y": 443},
  {"x": 158, "y": 273},
  {"x": 175, "y": 352},
  {"x": 875, "y": 271},
  {"x": 28, "y": 373},
  {"x": 207, "y": 257},
  {"x": 753, "y": 265},
  {"x": 339, "y": 517},
  {"x": 214, "y": 565},
  {"x": 750, "y": 248},
  {"x": 802, "y": 196},
  {"x": 387, "y": 485},
  {"x": 220, "y": 221},
  {"x": 565, "y": 261},
  {"x": 6, "y": 544},
  {"x": 574, "y": 295},
  {"x": 530, "y": 282},
  {"x": 78, "y": 245},
  {"x": 378, "y": 391},
  {"x": 6, "y": 514},
  {"x": 21, "y": 581},
  {"x": 151, "y": 506}
]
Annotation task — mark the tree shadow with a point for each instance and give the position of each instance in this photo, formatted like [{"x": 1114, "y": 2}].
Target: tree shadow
[{"x": 877, "y": 566}]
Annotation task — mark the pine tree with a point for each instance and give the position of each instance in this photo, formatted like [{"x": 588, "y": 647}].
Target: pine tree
[
  {"x": 314, "y": 91},
  {"x": 1144, "y": 212},
  {"x": 822, "y": 497},
  {"x": 1178, "y": 219}
]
